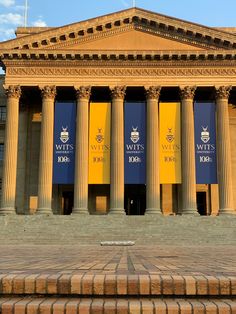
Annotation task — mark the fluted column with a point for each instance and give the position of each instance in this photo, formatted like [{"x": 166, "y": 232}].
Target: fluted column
[
  {"x": 152, "y": 164},
  {"x": 117, "y": 151},
  {"x": 188, "y": 152},
  {"x": 10, "y": 151},
  {"x": 46, "y": 151},
  {"x": 223, "y": 151},
  {"x": 81, "y": 153}
]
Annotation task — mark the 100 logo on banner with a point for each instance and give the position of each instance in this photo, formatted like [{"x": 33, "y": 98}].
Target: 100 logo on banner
[
  {"x": 63, "y": 159},
  {"x": 205, "y": 159},
  {"x": 135, "y": 159}
]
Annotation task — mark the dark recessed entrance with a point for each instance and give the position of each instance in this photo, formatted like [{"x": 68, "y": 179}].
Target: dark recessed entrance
[
  {"x": 135, "y": 199},
  {"x": 202, "y": 203},
  {"x": 68, "y": 201}
]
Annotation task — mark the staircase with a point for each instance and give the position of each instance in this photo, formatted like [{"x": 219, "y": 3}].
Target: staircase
[{"x": 178, "y": 265}]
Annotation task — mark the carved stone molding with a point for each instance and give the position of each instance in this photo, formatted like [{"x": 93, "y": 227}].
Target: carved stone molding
[
  {"x": 223, "y": 92},
  {"x": 118, "y": 92},
  {"x": 153, "y": 92},
  {"x": 110, "y": 71},
  {"x": 48, "y": 92},
  {"x": 187, "y": 92},
  {"x": 83, "y": 92},
  {"x": 13, "y": 91}
]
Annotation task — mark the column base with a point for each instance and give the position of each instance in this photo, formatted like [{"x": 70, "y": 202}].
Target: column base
[
  {"x": 153, "y": 211},
  {"x": 190, "y": 211},
  {"x": 227, "y": 211},
  {"x": 7, "y": 211},
  {"x": 44, "y": 211},
  {"x": 117, "y": 211},
  {"x": 80, "y": 211}
]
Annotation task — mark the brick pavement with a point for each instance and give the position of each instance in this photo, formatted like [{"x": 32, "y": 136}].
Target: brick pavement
[{"x": 181, "y": 277}]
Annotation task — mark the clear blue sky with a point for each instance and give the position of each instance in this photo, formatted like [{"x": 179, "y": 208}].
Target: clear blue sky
[{"x": 61, "y": 12}]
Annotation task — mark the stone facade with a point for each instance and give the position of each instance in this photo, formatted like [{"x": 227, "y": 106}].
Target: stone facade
[{"x": 122, "y": 54}]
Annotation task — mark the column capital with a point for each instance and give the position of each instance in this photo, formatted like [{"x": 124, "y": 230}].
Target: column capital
[
  {"x": 222, "y": 92},
  {"x": 118, "y": 92},
  {"x": 48, "y": 91},
  {"x": 153, "y": 92},
  {"x": 13, "y": 91},
  {"x": 187, "y": 92},
  {"x": 83, "y": 92}
]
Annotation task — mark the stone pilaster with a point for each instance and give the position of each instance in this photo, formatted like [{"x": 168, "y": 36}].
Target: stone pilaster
[
  {"x": 10, "y": 151},
  {"x": 81, "y": 154},
  {"x": 153, "y": 180},
  {"x": 188, "y": 152},
  {"x": 117, "y": 151},
  {"x": 46, "y": 151},
  {"x": 223, "y": 152}
]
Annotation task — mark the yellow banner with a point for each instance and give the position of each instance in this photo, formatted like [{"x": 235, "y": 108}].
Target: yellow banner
[
  {"x": 99, "y": 143},
  {"x": 170, "y": 143}
]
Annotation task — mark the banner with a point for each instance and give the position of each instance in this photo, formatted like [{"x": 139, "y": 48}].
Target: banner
[
  {"x": 170, "y": 143},
  {"x": 205, "y": 143},
  {"x": 64, "y": 143},
  {"x": 99, "y": 143},
  {"x": 135, "y": 143}
]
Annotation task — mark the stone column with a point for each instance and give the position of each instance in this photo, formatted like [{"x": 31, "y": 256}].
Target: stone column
[
  {"x": 188, "y": 152},
  {"x": 153, "y": 180},
  {"x": 46, "y": 151},
  {"x": 81, "y": 153},
  {"x": 21, "y": 160},
  {"x": 10, "y": 151},
  {"x": 223, "y": 151},
  {"x": 117, "y": 151}
]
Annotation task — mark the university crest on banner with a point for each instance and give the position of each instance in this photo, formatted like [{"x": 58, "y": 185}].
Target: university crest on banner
[
  {"x": 170, "y": 136},
  {"x": 134, "y": 135},
  {"x": 99, "y": 136},
  {"x": 64, "y": 135},
  {"x": 205, "y": 135}
]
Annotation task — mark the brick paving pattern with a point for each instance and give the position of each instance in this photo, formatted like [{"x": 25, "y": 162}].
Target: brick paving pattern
[{"x": 157, "y": 277}]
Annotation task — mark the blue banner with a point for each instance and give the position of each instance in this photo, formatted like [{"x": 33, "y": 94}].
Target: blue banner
[
  {"x": 64, "y": 143},
  {"x": 135, "y": 143},
  {"x": 205, "y": 143}
]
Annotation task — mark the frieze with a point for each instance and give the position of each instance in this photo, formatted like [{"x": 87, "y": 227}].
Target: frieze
[{"x": 121, "y": 72}]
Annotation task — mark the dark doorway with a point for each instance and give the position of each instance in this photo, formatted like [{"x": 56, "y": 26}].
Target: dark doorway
[
  {"x": 135, "y": 199},
  {"x": 68, "y": 202},
  {"x": 202, "y": 203}
]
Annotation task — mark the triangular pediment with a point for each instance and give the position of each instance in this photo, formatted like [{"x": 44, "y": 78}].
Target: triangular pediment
[
  {"x": 132, "y": 40},
  {"x": 132, "y": 29}
]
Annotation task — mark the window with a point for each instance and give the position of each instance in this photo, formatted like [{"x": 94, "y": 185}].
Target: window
[
  {"x": 3, "y": 113},
  {"x": 1, "y": 151}
]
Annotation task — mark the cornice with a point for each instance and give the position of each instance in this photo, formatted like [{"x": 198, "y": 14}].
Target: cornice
[
  {"x": 137, "y": 18},
  {"x": 116, "y": 55}
]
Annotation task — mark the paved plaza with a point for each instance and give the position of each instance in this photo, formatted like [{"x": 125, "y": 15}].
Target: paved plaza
[{"x": 177, "y": 265}]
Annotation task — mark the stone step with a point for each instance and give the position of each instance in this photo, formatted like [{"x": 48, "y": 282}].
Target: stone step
[
  {"x": 89, "y": 229},
  {"x": 57, "y": 305},
  {"x": 93, "y": 285}
]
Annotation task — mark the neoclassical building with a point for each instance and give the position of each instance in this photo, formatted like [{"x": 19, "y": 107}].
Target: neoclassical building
[{"x": 131, "y": 112}]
